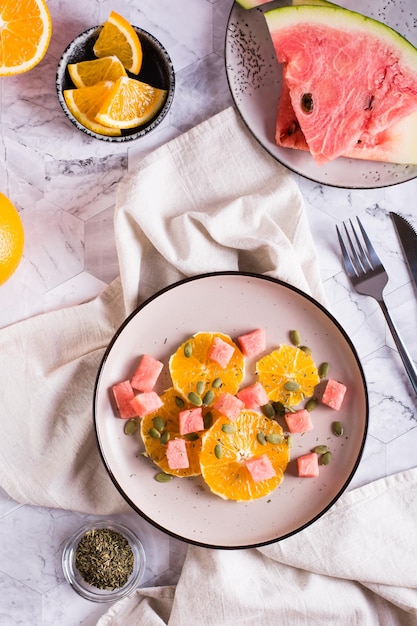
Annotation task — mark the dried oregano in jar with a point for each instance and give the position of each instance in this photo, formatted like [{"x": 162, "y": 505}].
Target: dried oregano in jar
[{"x": 104, "y": 558}]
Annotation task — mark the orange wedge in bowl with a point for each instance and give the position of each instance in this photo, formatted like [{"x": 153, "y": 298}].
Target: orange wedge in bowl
[
  {"x": 84, "y": 103},
  {"x": 119, "y": 37},
  {"x": 87, "y": 73}
]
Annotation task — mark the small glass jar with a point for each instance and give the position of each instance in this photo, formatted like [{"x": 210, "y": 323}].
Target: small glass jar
[{"x": 91, "y": 592}]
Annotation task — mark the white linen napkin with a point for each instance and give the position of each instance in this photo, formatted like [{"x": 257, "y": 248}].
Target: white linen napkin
[
  {"x": 355, "y": 566},
  {"x": 212, "y": 199}
]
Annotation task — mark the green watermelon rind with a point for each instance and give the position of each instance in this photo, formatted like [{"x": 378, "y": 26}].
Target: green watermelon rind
[
  {"x": 338, "y": 17},
  {"x": 251, "y": 4}
]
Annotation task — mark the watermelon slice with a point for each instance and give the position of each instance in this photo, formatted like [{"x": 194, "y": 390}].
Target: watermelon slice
[
  {"x": 253, "y": 343},
  {"x": 350, "y": 78},
  {"x": 260, "y": 468},
  {"x": 146, "y": 374},
  {"x": 253, "y": 396},
  {"x": 176, "y": 453},
  {"x": 250, "y": 4},
  {"x": 299, "y": 421},
  {"x": 228, "y": 405},
  {"x": 190, "y": 420},
  {"x": 333, "y": 394},
  {"x": 123, "y": 395},
  {"x": 308, "y": 465},
  {"x": 221, "y": 352},
  {"x": 145, "y": 403}
]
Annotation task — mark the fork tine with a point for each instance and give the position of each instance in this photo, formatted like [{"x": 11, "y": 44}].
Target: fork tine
[
  {"x": 358, "y": 250},
  {"x": 349, "y": 267},
  {"x": 370, "y": 249}
]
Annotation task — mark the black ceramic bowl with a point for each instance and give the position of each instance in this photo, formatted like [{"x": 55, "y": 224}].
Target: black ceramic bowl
[{"x": 157, "y": 70}]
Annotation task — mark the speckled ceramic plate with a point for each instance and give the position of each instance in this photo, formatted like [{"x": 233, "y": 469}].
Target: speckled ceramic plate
[
  {"x": 157, "y": 70},
  {"x": 254, "y": 77},
  {"x": 233, "y": 303}
]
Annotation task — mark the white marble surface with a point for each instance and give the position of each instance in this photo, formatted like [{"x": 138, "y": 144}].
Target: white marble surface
[{"x": 64, "y": 185}]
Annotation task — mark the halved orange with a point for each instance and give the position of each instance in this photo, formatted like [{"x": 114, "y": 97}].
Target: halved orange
[
  {"x": 165, "y": 420},
  {"x": 12, "y": 238},
  {"x": 119, "y": 37},
  {"x": 130, "y": 103},
  {"x": 87, "y": 73},
  {"x": 84, "y": 104},
  {"x": 25, "y": 33},
  {"x": 288, "y": 375},
  {"x": 191, "y": 368},
  {"x": 227, "y": 445}
]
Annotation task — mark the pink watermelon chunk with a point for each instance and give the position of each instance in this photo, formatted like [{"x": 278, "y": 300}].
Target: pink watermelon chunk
[
  {"x": 308, "y": 465},
  {"x": 333, "y": 394},
  {"x": 191, "y": 420},
  {"x": 299, "y": 421},
  {"x": 123, "y": 394},
  {"x": 253, "y": 396},
  {"x": 147, "y": 373},
  {"x": 253, "y": 343},
  {"x": 221, "y": 352},
  {"x": 260, "y": 468},
  {"x": 176, "y": 453},
  {"x": 349, "y": 77},
  {"x": 229, "y": 405},
  {"x": 146, "y": 402}
]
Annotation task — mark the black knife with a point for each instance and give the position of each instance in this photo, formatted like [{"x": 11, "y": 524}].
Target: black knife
[{"x": 408, "y": 238}]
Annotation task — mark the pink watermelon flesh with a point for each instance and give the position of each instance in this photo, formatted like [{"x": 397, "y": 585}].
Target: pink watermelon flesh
[
  {"x": 260, "y": 468},
  {"x": 176, "y": 453},
  {"x": 190, "y": 421},
  {"x": 253, "y": 396},
  {"x": 299, "y": 421},
  {"x": 146, "y": 374},
  {"x": 308, "y": 465},
  {"x": 348, "y": 80},
  {"x": 253, "y": 343},
  {"x": 333, "y": 394},
  {"x": 228, "y": 405},
  {"x": 221, "y": 352},
  {"x": 145, "y": 403},
  {"x": 123, "y": 394}
]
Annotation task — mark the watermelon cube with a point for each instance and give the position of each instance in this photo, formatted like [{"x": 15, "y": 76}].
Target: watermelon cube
[
  {"x": 308, "y": 465},
  {"x": 253, "y": 343},
  {"x": 253, "y": 396},
  {"x": 299, "y": 421},
  {"x": 146, "y": 402},
  {"x": 260, "y": 468},
  {"x": 191, "y": 420},
  {"x": 123, "y": 394},
  {"x": 333, "y": 394},
  {"x": 229, "y": 405},
  {"x": 146, "y": 374},
  {"x": 176, "y": 453},
  {"x": 221, "y": 352}
]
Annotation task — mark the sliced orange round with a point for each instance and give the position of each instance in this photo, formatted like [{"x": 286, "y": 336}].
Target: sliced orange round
[
  {"x": 87, "y": 73},
  {"x": 25, "y": 33},
  {"x": 119, "y": 37},
  {"x": 161, "y": 425},
  {"x": 228, "y": 445},
  {"x": 288, "y": 375},
  {"x": 84, "y": 104},
  {"x": 130, "y": 103},
  {"x": 192, "y": 371}
]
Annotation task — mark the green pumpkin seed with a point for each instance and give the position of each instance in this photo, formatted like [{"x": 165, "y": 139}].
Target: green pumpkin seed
[
  {"x": 194, "y": 398},
  {"x": 261, "y": 438},
  {"x": 191, "y": 436},
  {"x": 179, "y": 402},
  {"x": 188, "y": 349},
  {"x": 306, "y": 349},
  {"x": 322, "y": 449},
  {"x": 208, "y": 419},
  {"x": 158, "y": 423},
  {"x": 217, "y": 383},
  {"x": 295, "y": 337},
  {"x": 165, "y": 437},
  {"x": 228, "y": 428},
  {"x": 291, "y": 385},
  {"x": 337, "y": 429},
  {"x": 324, "y": 370},
  {"x": 325, "y": 458},
  {"x": 218, "y": 450},
  {"x": 208, "y": 397},
  {"x": 289, "y": 441},
  {"x": 163, "y": 478},
  {"x": 311, "y": 404},
  {"x": 274, "y": 438},
  {"x": 279, "y": 408},
  {"x": 154, "y": 433},
  {"x": 268, "y": 410},
  {"x": 131, "y": 426},
  {"x": 200, "y": 387}
]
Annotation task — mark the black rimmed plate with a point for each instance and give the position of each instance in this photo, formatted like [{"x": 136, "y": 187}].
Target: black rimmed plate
[
  {"x": 233, "y": 303},
  {"x": 254, "y": 77},
  {"x": 157, "y": 70}
]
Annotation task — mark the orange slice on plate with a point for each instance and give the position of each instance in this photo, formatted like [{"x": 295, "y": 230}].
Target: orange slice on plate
[
  {"x": 119, "y": 37},
  {"x": 165, "y": 422},
  {"x": 192, "y": 371},
  {"x": 130, "y": 103},
  {"x": 288, "y": 375},
  {"x": 84, "y": 104},
  {"x": 87, "y": 73},
  {"x": 25, "y": 33},
  {"x": 227, "y": 446}
]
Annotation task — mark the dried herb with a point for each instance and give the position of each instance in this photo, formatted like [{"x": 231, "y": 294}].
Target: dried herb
[{"x": 104, "y": 558}]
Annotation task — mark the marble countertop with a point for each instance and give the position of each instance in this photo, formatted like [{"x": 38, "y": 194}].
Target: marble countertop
[{"x": 64, "y": 186}]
